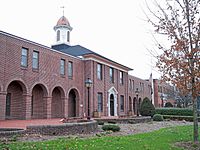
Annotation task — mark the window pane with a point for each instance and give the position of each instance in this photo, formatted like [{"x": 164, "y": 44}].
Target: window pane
[
  {"x": 62, "y": 66},
  {"x": 35, "y": 61},
  {"x": 121, "y": 77},
  {"x": 70, "y": 69},
  {"x": 111, "y": 75},
  {"x": 100, "y": 102},
  {"x": 99, "y": 71},
  {"x": 24, "y": 57}
]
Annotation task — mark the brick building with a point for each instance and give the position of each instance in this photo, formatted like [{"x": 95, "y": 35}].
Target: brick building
[
  {"x": 163, "y": 93},
  {"x": 37, "y": 81}
]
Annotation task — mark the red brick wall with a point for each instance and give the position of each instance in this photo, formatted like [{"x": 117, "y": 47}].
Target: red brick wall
[{"x": 48, "y": 102}]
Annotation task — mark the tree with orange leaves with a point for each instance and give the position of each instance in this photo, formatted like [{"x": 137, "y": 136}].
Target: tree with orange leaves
[{"x": 179, "y": 63}]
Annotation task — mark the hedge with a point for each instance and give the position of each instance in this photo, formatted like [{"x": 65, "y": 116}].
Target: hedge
[
  {"x": 173, "y": 117},
  {"x": 174, "y": 111}
]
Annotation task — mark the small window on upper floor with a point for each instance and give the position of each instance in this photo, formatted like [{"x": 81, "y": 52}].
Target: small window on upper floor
[
  {"x": 111, "y": 72},
  {"x": 70, "y": 70},
  {"x": 99, "y": 71},
  {"x": 62, "y": 67},
  {"x": 35, "y": 60},
  {"x": 58, "y": 35},
  {"x": 24, "y": 57},
  {"x": 121, "y": 76},
  {"x": 130, "y": 84}
]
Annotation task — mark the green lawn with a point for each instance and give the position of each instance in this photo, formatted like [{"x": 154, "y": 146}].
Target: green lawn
[{"x": 162, "y": 139}]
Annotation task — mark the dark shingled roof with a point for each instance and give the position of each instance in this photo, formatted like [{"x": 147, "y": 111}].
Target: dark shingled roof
[{"x": 78, "y": 50}]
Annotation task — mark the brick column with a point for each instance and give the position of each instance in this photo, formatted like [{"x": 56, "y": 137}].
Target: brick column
[
  {"x": 28, "y": 107},
  {"x": 65, "y": 106},
  {"x": 47, "y": 107},
  {"x": 2, "y": 105}
]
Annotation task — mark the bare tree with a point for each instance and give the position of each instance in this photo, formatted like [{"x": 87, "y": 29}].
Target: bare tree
[{"x": 179, "y": 22}]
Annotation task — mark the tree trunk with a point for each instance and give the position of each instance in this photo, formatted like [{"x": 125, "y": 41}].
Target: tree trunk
[{"x": 196, "y": 134}]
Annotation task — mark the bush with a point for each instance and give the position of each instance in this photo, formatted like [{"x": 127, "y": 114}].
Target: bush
[
  {"x": 147, "y": 108},
  {"x": 174, "y": 111},
  {"x": 100, "y": 123},
  {"x": 158, "y": 117},
  {"x": 168, "y": 104},
  {"x": 113, "y": 128}
]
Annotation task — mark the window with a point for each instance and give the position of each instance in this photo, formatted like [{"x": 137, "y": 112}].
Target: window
[
  {"x": 24, "y": 57},
  {"x": 68, "y": 36},
  {"x": 130, "y": 84},
  {"x": 100, "y": 102},
  {"x": 70, "y": 69},
  {"x": 121, "y": 80},
  {"x": 111, "y": 75},
  {"x": 58, "y": 35},
  {"x": 121, "y": 103},
  {"x": 35, "y": 59},
  {"x": 99, "y": 71},
  {"x": 133, "y": 85},
  {"x": 62, "y": 67}
]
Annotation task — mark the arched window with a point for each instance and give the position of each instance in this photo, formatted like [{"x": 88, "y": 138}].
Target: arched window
[
  {"x": 68, "y": 36},
  {"x": 58, "y": 35}
]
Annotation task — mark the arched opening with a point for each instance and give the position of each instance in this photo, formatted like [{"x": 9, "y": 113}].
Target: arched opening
[
  {"x": 15, "y": 102},
  {"x": 134, "y": 105},
  {"x": 112, "y": 105},
  {"x": 58, "y": 35},
  {"x": 57, "y": 104},
  {"x": 39, "y": 102},
  {"x": 73, "y": 103},
  {"x": 130, "y": 107}
]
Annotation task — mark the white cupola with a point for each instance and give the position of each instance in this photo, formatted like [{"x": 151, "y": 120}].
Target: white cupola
[{"x": 62, "y": 30}]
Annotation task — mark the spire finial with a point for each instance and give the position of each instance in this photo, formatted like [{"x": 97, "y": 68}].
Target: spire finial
[{"x": 63, "y": 7}]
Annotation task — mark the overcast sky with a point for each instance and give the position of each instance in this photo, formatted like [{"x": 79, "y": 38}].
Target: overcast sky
[{"x": 113, "y": 28}]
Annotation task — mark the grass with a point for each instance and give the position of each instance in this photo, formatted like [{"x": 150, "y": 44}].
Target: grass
[{"x": 162, "y": 139}]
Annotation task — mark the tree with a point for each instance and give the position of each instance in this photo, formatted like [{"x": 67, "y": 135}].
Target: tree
[
  {"x": 147, "y": 108},
  {"x": 179, "y": 22}
]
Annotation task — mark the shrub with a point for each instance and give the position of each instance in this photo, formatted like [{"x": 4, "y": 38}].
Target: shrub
[
  {"x": 100, "y": 123},
  {"x": 147, "y": 108},
  {"x": 168, "y": 104},
  {"x": 174, "y": 111},
  {"x": 113, "y": 128},
  {"x": 158, "y": 117}
]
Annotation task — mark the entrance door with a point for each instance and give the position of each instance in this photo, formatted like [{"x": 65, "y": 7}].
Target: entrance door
[
  {"x": 8, "y": 104},
  {"x": 111, "y": 105}
]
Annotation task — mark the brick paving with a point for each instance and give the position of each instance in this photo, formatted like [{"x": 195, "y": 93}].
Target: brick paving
[{"x": 21, "y": 124}]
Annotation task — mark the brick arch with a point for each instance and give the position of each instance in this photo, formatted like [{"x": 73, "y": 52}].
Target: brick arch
[
  {"x": 39, "y": 101},
  {"x": 73, "y": 102},
  {"x": 21, "y": 83},
  {"x": 43, "y": 86},
  {"x": 60, "y": 87},
  {"x": 15, "y": 100},
  {"x": 57, "y": 103}
]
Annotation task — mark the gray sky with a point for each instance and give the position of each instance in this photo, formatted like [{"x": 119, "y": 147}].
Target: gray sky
[{"x": 113, "y": 28}]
